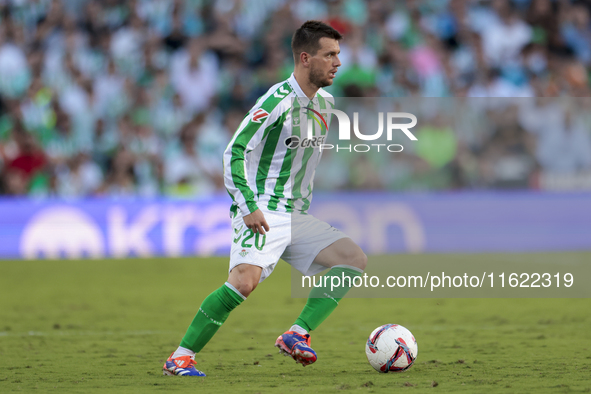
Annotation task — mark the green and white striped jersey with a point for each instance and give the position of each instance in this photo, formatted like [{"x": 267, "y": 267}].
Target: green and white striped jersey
[{"x": 271, "y": 160}]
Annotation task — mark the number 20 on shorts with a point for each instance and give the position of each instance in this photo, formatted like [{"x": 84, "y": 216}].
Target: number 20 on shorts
[{"x": 248, "y": 234}]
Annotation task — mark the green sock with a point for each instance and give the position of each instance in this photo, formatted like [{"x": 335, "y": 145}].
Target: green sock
[
  {"x": 213, "y": 312},
  {"x": 323, "y": 300}
]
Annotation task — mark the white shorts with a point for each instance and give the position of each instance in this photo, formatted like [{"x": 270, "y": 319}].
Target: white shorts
[{"x": 293, "y": 237}]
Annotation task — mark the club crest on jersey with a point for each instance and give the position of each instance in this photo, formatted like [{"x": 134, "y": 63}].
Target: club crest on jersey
[
  {"x": 259, "y": 115},
  {"x": 243, "y": 253}
]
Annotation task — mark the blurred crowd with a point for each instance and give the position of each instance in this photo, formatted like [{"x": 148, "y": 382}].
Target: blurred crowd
[{"x": 140, "y": 97}]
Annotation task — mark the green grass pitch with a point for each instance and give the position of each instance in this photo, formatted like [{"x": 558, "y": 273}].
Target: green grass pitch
[{"x": 108, "y": 325}]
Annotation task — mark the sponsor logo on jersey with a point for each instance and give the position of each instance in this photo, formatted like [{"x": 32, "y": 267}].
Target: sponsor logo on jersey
[
  {"x": 294, "y": 142},
  {"x": 259, "y": 115}
]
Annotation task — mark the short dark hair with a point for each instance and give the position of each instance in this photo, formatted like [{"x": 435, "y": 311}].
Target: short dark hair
[{"x": 307, "y": 37}]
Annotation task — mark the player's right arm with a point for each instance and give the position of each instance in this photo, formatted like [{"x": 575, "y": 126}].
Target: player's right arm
[
  {"x": 266, "y": 115},
  {"x": 249, "y": 135}
]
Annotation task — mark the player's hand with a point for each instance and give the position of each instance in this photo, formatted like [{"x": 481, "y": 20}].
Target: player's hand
[{"x": 256, "y": 222}]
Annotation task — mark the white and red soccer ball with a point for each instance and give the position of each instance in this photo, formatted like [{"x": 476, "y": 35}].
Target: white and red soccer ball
[{"x": 391, "y": 348}]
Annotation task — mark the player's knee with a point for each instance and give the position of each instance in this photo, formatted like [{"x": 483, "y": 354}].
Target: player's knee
[
  {"x": 246, "y": 287},
  {"x": 361, "y": 260},
  {"x": 356, "y": 258},
  {"x": 245, "y": 278}
]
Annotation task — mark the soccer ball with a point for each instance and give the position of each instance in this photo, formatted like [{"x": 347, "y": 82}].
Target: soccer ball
[{"x": 391, "y": 348}]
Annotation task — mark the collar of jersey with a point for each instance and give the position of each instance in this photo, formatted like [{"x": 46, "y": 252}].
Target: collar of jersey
[{"x": 301, "y": 96}]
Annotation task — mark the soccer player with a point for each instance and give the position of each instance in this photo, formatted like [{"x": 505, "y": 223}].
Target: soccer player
[{"x": 268, "y": 169}]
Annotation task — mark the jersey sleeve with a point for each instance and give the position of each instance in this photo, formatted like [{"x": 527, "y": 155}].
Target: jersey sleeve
[{"x": 249, "y": 135}]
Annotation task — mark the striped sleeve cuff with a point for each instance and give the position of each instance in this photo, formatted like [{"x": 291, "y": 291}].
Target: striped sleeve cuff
[{"x": 248, "y": 207}]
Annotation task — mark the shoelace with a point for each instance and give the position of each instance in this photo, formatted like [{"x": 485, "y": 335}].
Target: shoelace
[{"x": 191, "y": 363}]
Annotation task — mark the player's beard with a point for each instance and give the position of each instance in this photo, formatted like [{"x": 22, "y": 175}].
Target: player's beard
[{"x": 318, "y": 79}]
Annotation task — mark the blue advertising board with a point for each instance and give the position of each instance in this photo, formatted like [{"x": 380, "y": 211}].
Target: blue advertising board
[{"x": 380, "y": 222}]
